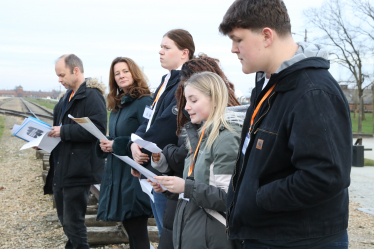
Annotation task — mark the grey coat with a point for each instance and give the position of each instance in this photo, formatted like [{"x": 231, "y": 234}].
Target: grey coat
[{"x": 200, "y": 221}]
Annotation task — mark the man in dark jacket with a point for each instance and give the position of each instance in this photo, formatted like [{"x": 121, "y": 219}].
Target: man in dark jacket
[
  {"x": 289, "y": 187},
  {"x": 73, "y": 163}
]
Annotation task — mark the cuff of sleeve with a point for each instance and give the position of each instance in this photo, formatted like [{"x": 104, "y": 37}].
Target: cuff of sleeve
[
  {"x": 120, "y": 145},
  {"x": 189, "y": 188},
  {"x": 64, "y": 133},
  {"x": 99, "y": 152},
  {"x": 162, "y": 165}
]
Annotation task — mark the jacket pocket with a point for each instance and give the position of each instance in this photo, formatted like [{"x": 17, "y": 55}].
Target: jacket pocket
[{"x": 80, "y": 164}]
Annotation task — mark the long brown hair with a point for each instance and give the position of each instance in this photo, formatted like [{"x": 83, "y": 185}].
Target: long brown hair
[
  {"x": 201, "y": 63},
  {"x": 137, "y": 90},
  {"x": 183, "y": 40}
]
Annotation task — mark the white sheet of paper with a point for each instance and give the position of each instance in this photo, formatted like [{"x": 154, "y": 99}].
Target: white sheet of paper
[
  {"x": 43, "y": 142},
  {"x": 87, "y": 124},
  {"x": 147, "y": 188},
  {"x": 15, "y": 128},
  {"x": 142, "y": 170},
  {"x": 152, "y": 147}
]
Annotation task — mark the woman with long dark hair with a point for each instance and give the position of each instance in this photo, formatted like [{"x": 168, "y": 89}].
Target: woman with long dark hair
[{"x": 121, "y": 197}]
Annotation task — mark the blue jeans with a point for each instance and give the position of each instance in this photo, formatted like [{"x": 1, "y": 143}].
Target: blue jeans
[
  {"x": 158, "y": 209},
  {"x": 341, "y": 243}
]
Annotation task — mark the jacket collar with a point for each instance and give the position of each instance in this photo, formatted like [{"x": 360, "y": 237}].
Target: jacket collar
[
  {"x": 295, "y": 70},
  {"x": 126, "y": 99},
  {"x": 174, "y": 74}
]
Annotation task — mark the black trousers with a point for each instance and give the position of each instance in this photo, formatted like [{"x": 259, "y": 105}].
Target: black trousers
[
  {"x": 71, "y": 204},
  {"x": 137, "y": 230}
]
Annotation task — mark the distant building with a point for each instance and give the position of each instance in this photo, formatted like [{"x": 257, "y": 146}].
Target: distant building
[
  {"x": 352, "y": 95},
  {"x": 19, "y": 92}
]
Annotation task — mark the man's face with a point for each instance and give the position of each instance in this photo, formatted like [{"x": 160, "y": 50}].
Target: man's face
[
  {"x": 249, "y": 47},
  {"x": 67, "y": 79}
]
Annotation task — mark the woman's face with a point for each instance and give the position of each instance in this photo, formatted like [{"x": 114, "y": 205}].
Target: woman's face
[
  {"x": 170, "y": 55},
  {"x": 198, "y": 104},
  {"x": 122, "y": 75}
]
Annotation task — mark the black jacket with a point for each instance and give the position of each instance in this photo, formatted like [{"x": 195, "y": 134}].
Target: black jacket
[
  {"x": 77, "y": 163},
  {"x": 164, "y": 122},
  {"x": 292, "y": 182}
]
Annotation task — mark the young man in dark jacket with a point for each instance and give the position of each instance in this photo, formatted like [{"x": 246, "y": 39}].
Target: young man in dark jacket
[
  {"x": 289, "y": 187},
  {"x": 73, "y": 163}
]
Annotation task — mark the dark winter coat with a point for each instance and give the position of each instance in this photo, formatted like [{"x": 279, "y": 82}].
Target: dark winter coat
[
  {"x": 121, "y": 196},
  {"x": 77, "y": 164},
  {"x": 164, "y": 122},
  {"x": 293, "y": 181}
]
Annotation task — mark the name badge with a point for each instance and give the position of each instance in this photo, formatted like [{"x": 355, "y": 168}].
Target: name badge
[
  {"x": 147, "y": 112},
  {"x": 246, "y": 142}
]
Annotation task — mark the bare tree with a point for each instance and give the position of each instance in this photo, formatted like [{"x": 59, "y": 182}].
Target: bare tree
[{"x": 347, "y": 45}]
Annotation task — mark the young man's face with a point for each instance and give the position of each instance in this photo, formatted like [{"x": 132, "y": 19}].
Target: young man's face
[{"x": 249, "y": 47}]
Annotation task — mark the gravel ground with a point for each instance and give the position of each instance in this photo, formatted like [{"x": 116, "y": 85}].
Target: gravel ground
[
  {"x": 24, "y": 208},
  {"x": 14, "y": 104}
]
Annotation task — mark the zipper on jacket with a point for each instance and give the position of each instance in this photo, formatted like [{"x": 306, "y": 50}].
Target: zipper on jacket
[{"x": 233, "y": 188}]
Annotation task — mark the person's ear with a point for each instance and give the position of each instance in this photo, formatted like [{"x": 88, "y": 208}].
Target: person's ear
[
  {"x": 268, "y": 36},
  {"x": 185, "y": 54},
  {"x": 75, "y": 71}
]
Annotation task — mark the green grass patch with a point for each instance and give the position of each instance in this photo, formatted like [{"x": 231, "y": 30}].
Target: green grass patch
[
  {"x": 2, "y": 120},
  {"x": 43, "y": 102},
  {"x": 367, "y": 125},
  {"x": 368, "y": 162}
]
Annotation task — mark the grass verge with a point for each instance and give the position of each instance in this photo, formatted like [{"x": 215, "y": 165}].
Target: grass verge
[
  {"x": 43, "y": 102},
  {"x": 367, "y": 125},
  {"x": 368, "y": 162}
]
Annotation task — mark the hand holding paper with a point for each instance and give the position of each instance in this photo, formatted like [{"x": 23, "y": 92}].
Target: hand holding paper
[
  {"x": 152, "y": 147},
  {"x": 44, "y": 142},
  {"x": 145, "y": 172}
]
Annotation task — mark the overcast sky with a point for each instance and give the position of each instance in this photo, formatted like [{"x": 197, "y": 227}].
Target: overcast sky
[{"x": 34, "y": 33}]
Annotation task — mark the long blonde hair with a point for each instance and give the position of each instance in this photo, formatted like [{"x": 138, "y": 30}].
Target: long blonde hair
[{"x": 212, "y": 85}]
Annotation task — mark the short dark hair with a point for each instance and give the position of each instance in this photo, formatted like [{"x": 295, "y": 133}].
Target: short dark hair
[
  {"x": 72, "y": 61},
  {"x": 183, "y": 40},
  {"x": 256, "y": 15}
]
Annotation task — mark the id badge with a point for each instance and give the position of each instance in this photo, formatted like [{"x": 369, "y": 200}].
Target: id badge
[
  {"x": 246, "y": 142},
  {"x": 147, "y": 112}
]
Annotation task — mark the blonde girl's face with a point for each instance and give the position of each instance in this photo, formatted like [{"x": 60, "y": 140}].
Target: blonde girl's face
[{"x": 198, "y": 104}]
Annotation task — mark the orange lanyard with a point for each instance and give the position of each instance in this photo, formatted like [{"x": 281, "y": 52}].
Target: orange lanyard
[
  {"x": 259, "y": 105},
  {"x": 197, "y": 149},
  {"x": 71, "y": 95},
  {"x": 158, "y": 94}
]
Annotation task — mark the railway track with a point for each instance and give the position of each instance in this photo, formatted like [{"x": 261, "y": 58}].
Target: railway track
[{"x": 28, "y": 109}]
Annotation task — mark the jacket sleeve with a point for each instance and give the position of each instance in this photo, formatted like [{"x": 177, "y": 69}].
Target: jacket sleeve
[
  {"x": 320, "y": 139},
  {"x": 213, "y": 196},
  {"x": 162, "y": 165},
  {"x": 175, "y": 156},
  {"x": 95, "y": 110},
  {"x": 99, "y": 152}
]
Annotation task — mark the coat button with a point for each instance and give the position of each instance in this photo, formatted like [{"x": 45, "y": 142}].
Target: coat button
[{"x": 72, "y": 153}]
